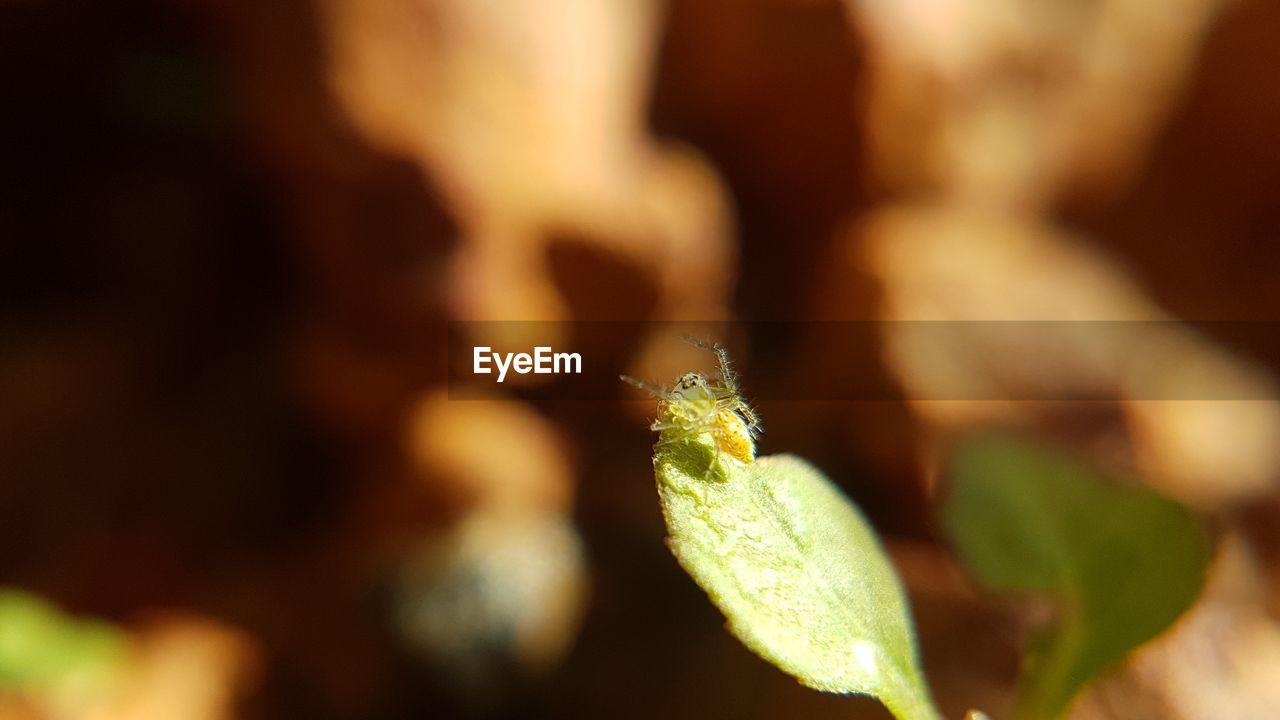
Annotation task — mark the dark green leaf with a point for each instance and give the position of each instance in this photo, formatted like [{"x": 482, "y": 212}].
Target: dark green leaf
[{"x": 1121, "y": 561}]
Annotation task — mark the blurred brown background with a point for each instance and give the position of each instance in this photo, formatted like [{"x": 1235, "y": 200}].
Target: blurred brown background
[{"x": 231, "y": 234}]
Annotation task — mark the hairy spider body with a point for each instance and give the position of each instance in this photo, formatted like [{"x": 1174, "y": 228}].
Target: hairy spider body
[{"x": 698, "y": 405}]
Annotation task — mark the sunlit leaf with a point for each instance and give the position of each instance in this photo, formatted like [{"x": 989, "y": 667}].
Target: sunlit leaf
[
  {"x": 796, "y": 570},
  {"x": 1121, "y": 561}
]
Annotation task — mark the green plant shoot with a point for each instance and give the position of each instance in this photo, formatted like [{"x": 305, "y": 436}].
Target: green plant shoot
[
  {"x": 787, "y": 558},
  {"x": 1121, "y": 561}
]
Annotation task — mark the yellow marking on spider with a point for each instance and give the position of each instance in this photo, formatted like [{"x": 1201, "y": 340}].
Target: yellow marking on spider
[
  {"x": 734, "y": 436},
  {"x": 697, "y": 405}
]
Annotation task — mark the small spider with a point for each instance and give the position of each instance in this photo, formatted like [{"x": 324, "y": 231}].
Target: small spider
[{"x": 698, "y": 405}]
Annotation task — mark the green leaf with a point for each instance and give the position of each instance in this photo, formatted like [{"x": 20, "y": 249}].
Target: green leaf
[
  {"x": 796, "y": 570},
  {"x": 41, "y": 647},
  {"x": 1121, "y": 561}
]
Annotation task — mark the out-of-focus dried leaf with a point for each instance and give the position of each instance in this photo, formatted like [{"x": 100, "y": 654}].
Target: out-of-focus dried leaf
[
  {"x": 949, "y": 264},
  {"x": 498, "y": 597},
  {"x": 187, "y": 668},
  {"x": 174, "y": 667},
  {"x": 1020, "y": 103},
  {"x": 491, "y": 453},
  {"x": 532, "y": 116}
]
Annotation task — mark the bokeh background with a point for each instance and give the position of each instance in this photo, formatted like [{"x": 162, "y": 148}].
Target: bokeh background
[{"x": 232, "y": 235}]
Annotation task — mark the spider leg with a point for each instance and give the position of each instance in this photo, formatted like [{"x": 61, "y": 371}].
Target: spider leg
[
  {"x": 752, "y": 419},
  {"x": 650, "y": 388},
  {"x": 715, "y": 460},
  {"x": 733, "y": 401},
  {"x": 702, "y": 344},
  {"x": 727, "y": 376},
  {"x": 685, "y": 434}
]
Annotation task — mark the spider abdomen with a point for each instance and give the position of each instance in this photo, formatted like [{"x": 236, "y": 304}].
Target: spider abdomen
[{"x": 733, "y": 435}]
